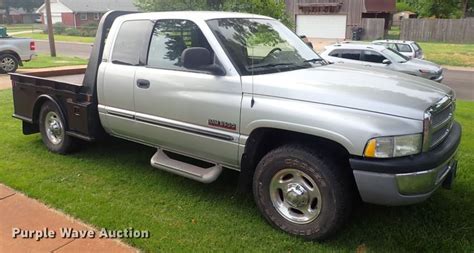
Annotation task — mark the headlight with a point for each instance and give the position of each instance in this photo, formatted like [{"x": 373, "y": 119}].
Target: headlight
[
  {"x": 426, "y": 71},
  {"x": 395, "y": 146}
]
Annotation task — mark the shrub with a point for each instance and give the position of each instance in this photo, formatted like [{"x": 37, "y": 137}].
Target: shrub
[
  {"x": 59, "y": 28},
  {"x": 72, "y": 32}
]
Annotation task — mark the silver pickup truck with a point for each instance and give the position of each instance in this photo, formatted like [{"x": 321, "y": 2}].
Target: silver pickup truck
[
  {"x": 215, "y": 90},
  {"x": 15, "y": 51}
]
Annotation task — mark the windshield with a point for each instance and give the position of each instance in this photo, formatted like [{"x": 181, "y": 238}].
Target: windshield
[
  {"x": 395, "y": 56},
  {"x": 416, "y": 46},
  {"x": 261, "y": 46}
]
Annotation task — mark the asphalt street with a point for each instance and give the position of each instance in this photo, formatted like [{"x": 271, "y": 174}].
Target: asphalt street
[
  {"x": 462, "y": 82},
  {"x": 81, "y": 50}
]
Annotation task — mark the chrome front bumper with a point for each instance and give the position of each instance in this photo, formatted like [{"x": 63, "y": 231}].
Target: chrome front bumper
[
  {"x": 424, "y": 181},
  {"x": 408, "y": 180},
  {"x": 402, "y": 189}
]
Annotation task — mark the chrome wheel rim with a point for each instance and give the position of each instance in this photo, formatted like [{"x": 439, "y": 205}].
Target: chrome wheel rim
[
  {"x": 8, "y": 64},
  {"x": 54, "y": 128},
  {"x": 295, "y": 196}
]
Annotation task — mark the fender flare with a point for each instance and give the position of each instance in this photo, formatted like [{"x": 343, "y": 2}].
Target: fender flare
[{"x": 39, "y": 103}]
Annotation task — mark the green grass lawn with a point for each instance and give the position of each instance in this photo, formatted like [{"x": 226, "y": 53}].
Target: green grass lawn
[
  {"x": 449, "y": 54},
  {"x": 63, "y": 38},
  {"x": 111, "y": 184},
  {"x": 45, "y": 61},
  {"x": 461, "y": 55}
]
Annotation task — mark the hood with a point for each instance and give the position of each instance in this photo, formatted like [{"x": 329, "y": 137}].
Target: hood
[
  {"x": 353, "y": 86},
  {"x": 421, "y": 64}
]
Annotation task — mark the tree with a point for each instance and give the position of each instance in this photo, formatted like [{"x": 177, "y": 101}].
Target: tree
[
  {"x": 28, "y": 5},
  {"x": 437, "y": 8},
  {"x": 273, "y": 8}
]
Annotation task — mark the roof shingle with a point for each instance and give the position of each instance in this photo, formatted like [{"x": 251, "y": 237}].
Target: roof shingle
[{"x": 99, "y": 5}]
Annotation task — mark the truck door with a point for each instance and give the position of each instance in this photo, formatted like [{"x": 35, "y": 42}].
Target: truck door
[
  {"x": 191, "y": 112},
  {"x": 117, "y": 74}
]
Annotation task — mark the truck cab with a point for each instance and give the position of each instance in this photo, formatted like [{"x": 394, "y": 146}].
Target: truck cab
[{"x": 215, "y": 90}]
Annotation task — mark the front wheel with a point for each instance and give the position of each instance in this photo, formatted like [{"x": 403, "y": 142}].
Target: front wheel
[
  {"x": 302, "y": 192},
  {"x": 8, "y": 63},
  {"x": 53, "y": 130}
]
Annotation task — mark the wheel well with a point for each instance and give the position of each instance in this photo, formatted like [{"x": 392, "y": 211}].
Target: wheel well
[
  {"x": 263, "y": 140},
  {"x": 17, "y": 56},
  {"x": 39, "y": 103}
]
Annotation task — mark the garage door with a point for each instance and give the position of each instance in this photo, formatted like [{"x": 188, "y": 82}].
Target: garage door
[{"x": 321, "y": 26}]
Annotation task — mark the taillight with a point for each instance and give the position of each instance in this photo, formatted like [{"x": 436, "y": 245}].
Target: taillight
[{"x": 32, "y": 46}]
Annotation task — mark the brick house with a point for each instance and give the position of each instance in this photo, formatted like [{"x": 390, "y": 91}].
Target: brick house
[{"x": 76, "y": 13}]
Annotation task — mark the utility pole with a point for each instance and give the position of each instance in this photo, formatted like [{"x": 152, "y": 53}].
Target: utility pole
[{"x": 49, "y": 21}]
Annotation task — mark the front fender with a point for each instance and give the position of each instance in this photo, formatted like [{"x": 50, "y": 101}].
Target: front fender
[{"x": 349, "y": 127}]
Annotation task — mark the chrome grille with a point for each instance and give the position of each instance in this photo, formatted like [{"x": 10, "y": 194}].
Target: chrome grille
[{"x": 438, "y": 122}]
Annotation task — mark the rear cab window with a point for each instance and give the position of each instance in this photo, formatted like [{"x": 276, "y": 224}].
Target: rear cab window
[{"x": 129, "y": 39}]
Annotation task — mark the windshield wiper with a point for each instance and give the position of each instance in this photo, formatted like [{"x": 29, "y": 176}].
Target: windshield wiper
[
  {"x": 316, "y": 60},
  {"x": 270, "y": 65}
]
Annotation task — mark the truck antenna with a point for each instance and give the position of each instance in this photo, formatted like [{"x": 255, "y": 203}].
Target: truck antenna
[{"x": 252, "y": 101}]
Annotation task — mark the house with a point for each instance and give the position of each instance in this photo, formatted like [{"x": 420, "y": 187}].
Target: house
[
  {"x": 336, "y": 19},
  {"x": 76, "y": 13},
  {"x": 399, "y": 16},
  {"x": 17, "y": 16}
]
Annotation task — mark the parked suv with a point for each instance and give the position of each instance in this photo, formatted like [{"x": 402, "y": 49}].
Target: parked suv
[
  {"x": 381, "y": 57},
  {"x": 411, "y": 49}
]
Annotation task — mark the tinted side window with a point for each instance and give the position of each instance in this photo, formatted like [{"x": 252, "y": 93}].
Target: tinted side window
[
  {"x": 130, "y": 39},
  {"x": 335, "y": 53},
  {"x": 170, "y": 38},
  {"x": 404, "y": 48},
  {"x": 351, "y": 54},
  {"x": 372, "y": 56}
]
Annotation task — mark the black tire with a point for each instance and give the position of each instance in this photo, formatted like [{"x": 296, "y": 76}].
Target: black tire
[
  {"x": 65, "y": 143},
  {"x": 334, "y": 183},
  {"x": 11, "y": 61}
]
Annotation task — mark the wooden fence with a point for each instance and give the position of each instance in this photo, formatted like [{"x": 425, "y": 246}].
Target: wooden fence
[
  {"x": 374, "y": 28},
  {"x": 439, "y": 30}
]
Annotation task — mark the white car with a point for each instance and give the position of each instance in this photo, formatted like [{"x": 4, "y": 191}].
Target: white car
[
  {"x": 411, "y": 49},
  {"x": 372, "y": 55}
]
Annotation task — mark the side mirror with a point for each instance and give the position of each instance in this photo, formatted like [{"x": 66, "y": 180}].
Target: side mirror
[
  {"x": 386, "y": 62},
  {"x": 306, "y": 41},
  {"x": 199, "y": 58}
]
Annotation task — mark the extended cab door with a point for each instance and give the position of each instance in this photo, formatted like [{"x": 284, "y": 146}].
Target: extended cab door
[
  {"x": 116, "y": 77},
  {"x": 191, "y": 112}
]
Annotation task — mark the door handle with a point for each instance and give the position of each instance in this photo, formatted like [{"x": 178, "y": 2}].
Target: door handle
[{"x": 143, "y": 84}]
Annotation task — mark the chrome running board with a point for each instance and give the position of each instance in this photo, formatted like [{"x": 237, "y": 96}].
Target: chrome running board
[{"x": 161, "y": 160}]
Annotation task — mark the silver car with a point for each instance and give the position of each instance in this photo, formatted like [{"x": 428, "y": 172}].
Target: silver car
[
  {"x": 379, "y": 56},
  {"x": 408, "y": 48}
]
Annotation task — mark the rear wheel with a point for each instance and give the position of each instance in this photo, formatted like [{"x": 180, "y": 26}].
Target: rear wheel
[
  {"x": 302, "y": 192},
  {"x": 53, "y": 131},
  {"x": 8, "y": 63}
]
